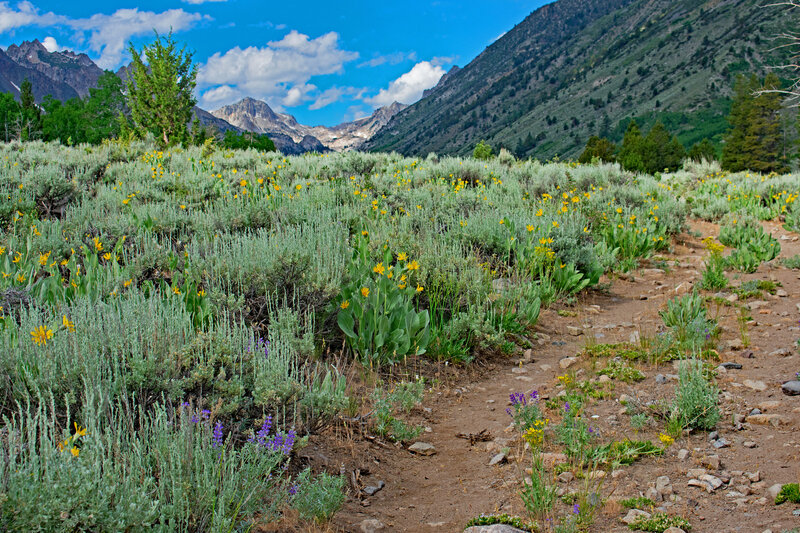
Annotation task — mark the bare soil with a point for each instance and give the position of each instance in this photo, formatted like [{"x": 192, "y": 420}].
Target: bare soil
[{"x": 443, "y": 491}]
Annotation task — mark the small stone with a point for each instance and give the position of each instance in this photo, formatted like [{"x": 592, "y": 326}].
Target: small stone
[
  {"x": 371, "y": 525},
  {"x": 755, "y": 411},
  {"x": 773, "y": 491},
  {"x": 422, "y": 448},
  {"x": 780, "y": 293},
  {"x": 574, "y": 331},
  {"x": 735, "y": 344},
  {"x": 604, "y": 379},
  {"x": 634, "y": 515},
  {"x": 732, "y": 298},
  {"x": 714, "y": 435},
  {"x": 770, "y": 405},
  {"x": 783, "y": 352},
  {"x": 550, "y": 459},
  {"x": 695, "y": 472},
  {"x": 566, "y": 477},
  {"x": 713, "y": 481},
  {"x": 371, "y": 490},
  {"x": 758, "y": 386},
  {"x": 721, "y": 443},
  {"x": 768, "y": 420},
  {"x": 567, "y": 362},
  {"x": 791, "y": 388},
  {"x": 711, "y": 461},
  {"x": 749, "y": 444},
  {"x": 661, "y": 379},
  {"x": 634, "y": 338},
  {"x": 731, "y": 366},
  {"x": 758, "y": 304},
  {"x": 497, "y": 459},
  {"x": 519, "y": 370},
  {"x": 663, "y": 485},
  {"x": 753, "y": 477},
  {"x": 674, "y": 529},
  {"x": 683, "y": 454},
  {"x": 653, "y": 494}
]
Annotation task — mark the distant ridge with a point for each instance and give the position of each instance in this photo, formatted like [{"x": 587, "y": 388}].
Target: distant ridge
[{"x": 576, "y": 68}]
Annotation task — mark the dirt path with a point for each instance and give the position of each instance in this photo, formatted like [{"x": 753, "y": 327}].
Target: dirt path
[{"x": 442, "y": 492}]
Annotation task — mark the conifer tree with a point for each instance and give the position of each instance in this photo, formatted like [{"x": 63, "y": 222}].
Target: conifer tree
[
  {"x": 630, "y": 155},
  {"x": 762, "y": 140},
  {"x": 703, "y": 151},
  {"x": 160, "y": 93},
  {"x": 31, "y": 117},
  {"x": 600, "y": 148},
  {"x": 734, "y": 157}
]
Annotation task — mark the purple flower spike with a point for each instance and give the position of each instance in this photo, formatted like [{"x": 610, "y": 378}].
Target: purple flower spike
[
  {"x": 216, "y": 439},
  {"x": 576, "y": 508},
  {"x": 566, "y": 407},
  {"x": 535, "y": 395},
  {"x": 205, "y": 414}
]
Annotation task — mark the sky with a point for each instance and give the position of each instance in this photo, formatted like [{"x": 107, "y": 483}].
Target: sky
[{"x": 324, "y": 62}]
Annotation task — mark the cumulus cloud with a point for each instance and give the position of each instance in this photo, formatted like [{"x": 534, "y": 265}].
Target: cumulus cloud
[
  {"x": 25, "y": 14},
  {"x": 109, "y": 34},
  {"x": 408, "y": 88},
  {"x": 278, "y": 72},
  {"x": 333, "y": 95},
  {"x": 51, "y": 44},
  {"x": 197, "y": 2},
  {"x": 106, "y": 35}
]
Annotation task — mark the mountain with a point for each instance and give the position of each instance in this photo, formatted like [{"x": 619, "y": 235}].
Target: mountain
[
  {"x": 254, "y": 115},
  {"x": 75, "y": 70},
  {"x": 12, "y": 74},
  {"x": 576, "y": 68}
]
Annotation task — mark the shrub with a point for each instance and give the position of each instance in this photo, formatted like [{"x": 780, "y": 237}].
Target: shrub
[{"x": 696, "y": 399}]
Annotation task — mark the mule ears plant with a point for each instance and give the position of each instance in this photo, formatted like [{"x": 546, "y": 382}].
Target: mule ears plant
[{"x": 160, "y": 93}]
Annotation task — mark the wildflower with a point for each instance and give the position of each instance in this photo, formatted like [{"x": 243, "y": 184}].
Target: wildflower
[
  {"x": 529, "y": 228},
  {"x": 364, "y": 291},
  {"x": 127, "y": 283},
  {"x": 420, "y": 288},
  {"x": 576, "y": 509},
  {"x": 17, "y": 257},
  {"x": 68, "y": 324},
  {"x": 205, "y": 414},
  {"x": 21, "y": 277},
  {"x": 402, "y": 256},
  {"x": 176, "y": 290},
  {"x": 665, "y": 439},
  {"x": 243, "y": 183},
  {"x": 364, "y": 233},
  {"x": 43, "y": 258},
  {"x": 298, "y": 187},
  {"x": 517, "y": 398},
  {"x": 566, "y": 407},
  {"x": 555, "y": 224},
  {"x": 41, "y": 335},
  {"x": 74, "y": 451},
  {"x": 79, "y": 431},
  {"x": 345, "y": 304},
  {"x": 183, "y": 206},
  {"x": 97, "y": 244},
  {"x": 216, "y": 438},
  {"x": 379, "y": 269},
  {"x": 107, "y": 256},
  {"x": 293, "y": 489},
  {"x": 413, "y": 265}
]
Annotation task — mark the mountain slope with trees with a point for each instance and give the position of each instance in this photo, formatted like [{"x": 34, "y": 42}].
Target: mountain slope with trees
[{"x": 573, "y": 69}]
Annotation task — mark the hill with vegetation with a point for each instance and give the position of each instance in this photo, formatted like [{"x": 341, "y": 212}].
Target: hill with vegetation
[{"x": 574, "y": 69}]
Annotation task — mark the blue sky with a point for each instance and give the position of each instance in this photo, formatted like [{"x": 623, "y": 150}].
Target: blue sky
[{"x": 324, "y": 62}]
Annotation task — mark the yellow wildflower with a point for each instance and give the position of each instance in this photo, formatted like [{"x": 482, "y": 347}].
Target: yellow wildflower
[
  {"x": 364, "y": 291},
  {"x": 345, "y": 304},
  {"x": 379, "y": 269},
  {"x": 68, "y": 324},
  {"x": 41, "y": 335}
]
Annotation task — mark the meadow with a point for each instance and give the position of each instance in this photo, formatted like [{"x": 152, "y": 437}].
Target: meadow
[{"x": 175, "y": 324}]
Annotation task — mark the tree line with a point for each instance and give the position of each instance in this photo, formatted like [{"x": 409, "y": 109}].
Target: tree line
[
  {"x": 157, "y": 99},
  {"x": 754, "y": 140}
]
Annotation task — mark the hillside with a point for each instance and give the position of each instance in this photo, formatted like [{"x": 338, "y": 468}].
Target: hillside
[
  {"x": 577, "y": 68},
  {"x": 256, "y": 116}
]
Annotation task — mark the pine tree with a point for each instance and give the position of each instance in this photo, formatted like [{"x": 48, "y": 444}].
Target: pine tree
[
  {"x": 734, "y": 156},
  {"x": 762, "y": 141},
  {"x": 600, "y": 148},
  {"x": 630, "y": 155},
  {"x": 160, "y": 93},
  {"x": 31, "y": 117},
  {"x": 703, "y": 151}
]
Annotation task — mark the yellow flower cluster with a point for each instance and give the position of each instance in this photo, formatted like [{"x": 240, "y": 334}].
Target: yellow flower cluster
[{"x": 534, "y": 435}]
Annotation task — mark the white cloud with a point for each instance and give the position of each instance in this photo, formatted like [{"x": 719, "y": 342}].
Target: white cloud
[
  {"x": 25, "y": 14},
  {"x": 51, "y": 44},
  {"x": 109, "y": 34},
  {"x": 197, "y": 2},
  {"x": 391, "y": 59},
  {"x": 278, "y": 73},
  {"x": 333, "y": 95},
  {"x": 408, "y": 88},
  {"x": 221, "y": 95}
]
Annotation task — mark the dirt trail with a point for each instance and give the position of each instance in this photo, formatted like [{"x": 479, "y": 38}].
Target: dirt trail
[{"x": 441, "y": 492}]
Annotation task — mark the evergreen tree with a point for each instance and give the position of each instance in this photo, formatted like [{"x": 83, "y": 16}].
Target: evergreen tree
[
  {"x": 630, "y": 155},
  {"x": 762, "y": 140},
  {"x": 160, "y": 93},
  {"x": 655, "y": 149},
  {"x": 600, "y": 148},
  {"x": 525, "y": 146},
  {"x": 703, "y": 151},
  {"x": 734, "y": 155},
  {"x": 103, "y": 106},
  {"x": 31, "y": 118}
]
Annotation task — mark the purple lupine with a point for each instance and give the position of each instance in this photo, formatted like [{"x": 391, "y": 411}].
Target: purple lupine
[
  {"x": 293, "y": 489},
  {"x": 535, "y": 396},
  {"x": 288, "y": 442},
  {"x": 576, "y": 508},
  {"x": 195, "y": 420},
  {"x": 263, "y": 433},
  {"x": 517, "y": 398},
  {"x": 566, "y": 407},
  {"x": 205, "y": 414},
  {"x": 216, "y": 439}
]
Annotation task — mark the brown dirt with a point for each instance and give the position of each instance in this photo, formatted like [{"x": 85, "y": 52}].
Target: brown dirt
[{"x": 443, "y": 491}]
